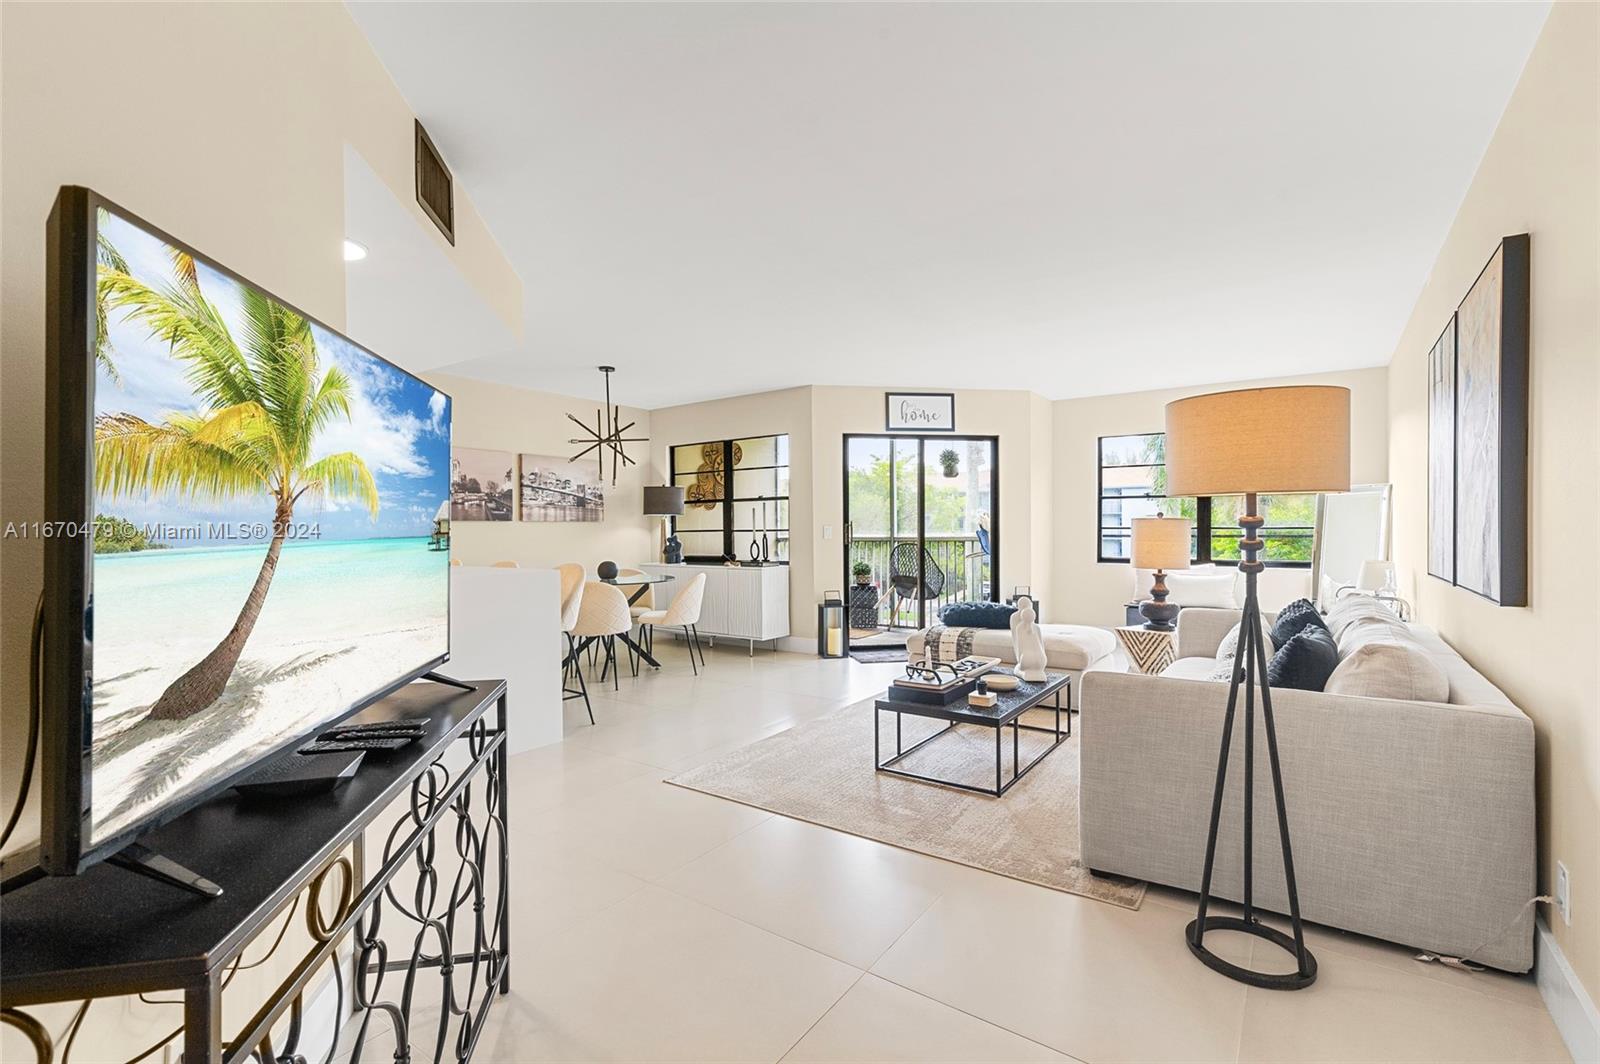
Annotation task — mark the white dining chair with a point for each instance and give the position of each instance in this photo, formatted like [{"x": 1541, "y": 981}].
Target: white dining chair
[
  {"x": 602, "y": 616},
  {"x": 683, "y": 612},
  {"x": 571, "y": 575},
  {"x": 647, "y": 597}
]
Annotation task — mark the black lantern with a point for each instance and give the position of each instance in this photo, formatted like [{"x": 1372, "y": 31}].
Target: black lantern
[{"x": 831, "y": 626}]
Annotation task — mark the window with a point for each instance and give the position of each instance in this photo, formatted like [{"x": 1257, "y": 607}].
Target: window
[
  {"x": 722, "y": 519},
  {"x": 1133, "y": 483}
]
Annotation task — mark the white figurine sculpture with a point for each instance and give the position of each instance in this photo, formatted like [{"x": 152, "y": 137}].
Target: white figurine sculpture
[{"x": 1027, "y": 644}]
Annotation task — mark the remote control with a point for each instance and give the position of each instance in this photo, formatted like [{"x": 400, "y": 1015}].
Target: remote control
[
  {"x": 378, "y": 730},
  {"x": 372, "y": 745}
]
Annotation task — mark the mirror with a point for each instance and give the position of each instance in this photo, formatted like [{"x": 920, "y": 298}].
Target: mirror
[{"x": 1352, "y": 528}]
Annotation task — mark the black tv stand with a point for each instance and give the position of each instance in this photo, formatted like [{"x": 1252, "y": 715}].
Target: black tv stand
[
  {"x": 141, "y": 860},
  {"x": 104, "y": 933},
  {"x": 448, "y": 681}
]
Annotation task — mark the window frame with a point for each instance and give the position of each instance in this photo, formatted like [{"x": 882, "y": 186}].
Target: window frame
[
  {"x": 1201, "y": 555},
  {"x": 729, "y": 500}
]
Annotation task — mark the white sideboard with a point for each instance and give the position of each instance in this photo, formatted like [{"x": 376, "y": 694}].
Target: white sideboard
[{"x": 745, "y": 602}]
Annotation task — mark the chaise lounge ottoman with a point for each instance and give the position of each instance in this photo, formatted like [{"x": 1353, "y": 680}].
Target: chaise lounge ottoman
[{"x": 1067, "y": 647}]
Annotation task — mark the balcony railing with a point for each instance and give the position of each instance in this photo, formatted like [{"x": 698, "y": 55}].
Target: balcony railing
[{"x": 965, "y": 567}]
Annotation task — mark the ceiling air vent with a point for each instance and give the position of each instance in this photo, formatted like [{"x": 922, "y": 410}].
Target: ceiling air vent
[{"x": 435, "y": 188}]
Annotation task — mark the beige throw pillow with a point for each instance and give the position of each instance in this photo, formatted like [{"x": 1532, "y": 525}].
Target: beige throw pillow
[{"x": 1380, "y": 660}]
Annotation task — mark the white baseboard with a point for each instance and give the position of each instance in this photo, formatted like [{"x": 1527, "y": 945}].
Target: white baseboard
[
  {"x": 798, "y": 644},
  {"x": 1569, "y": 1003}
]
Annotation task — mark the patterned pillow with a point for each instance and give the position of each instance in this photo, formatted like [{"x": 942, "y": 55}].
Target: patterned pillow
[
  {"x": 1293, "y": 618},
  {"x": 977, "y": 614},
  {"x": 1304, "y": 662}
]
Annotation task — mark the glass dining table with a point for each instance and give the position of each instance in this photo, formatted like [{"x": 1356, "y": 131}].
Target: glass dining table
[{"x": 634, "y": 585}]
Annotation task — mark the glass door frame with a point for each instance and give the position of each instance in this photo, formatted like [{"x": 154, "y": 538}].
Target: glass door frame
[{"x": 922, "y": 440}]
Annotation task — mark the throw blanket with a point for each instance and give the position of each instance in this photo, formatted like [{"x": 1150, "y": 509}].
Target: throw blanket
[{"x": 949, "y": 644}]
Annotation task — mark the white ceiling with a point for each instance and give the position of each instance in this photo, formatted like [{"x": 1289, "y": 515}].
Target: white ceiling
[{"x": 1076, "y": 199}]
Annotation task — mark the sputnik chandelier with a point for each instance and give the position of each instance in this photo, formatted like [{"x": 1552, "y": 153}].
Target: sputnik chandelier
[{"x": 607, "y": 434}]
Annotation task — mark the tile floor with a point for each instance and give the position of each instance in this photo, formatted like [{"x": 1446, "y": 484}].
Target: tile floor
[{"x": 652, "y": 923}]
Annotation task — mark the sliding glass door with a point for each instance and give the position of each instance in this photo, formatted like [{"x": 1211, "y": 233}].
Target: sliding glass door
[{"x": 920, "y": 530}]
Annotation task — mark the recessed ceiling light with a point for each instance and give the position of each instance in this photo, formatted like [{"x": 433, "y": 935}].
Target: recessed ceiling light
[{"x": 354, "y": 252}]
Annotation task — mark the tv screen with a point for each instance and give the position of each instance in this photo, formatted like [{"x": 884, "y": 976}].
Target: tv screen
[{"x": 262, "y": 540}]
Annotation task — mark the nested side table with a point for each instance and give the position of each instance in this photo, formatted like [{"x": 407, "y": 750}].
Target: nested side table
[{"x": 1150, "y": 649}]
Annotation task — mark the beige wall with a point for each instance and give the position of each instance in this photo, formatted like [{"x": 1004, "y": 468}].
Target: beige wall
[
  {"x": 1048, "y": 496},
  {"x": 817, "y": 419},
  {"x": 1540, "y": 175},
  {"x": 154, "y": 105},
  {"x": 764, "y": 414},
  {"x": 498, "y": 417},
  {"x": 1006, "y": 414},
  {"x": 1090, "y": 592}
]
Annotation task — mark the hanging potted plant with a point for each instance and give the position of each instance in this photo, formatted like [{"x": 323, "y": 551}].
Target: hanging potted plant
[
  {"x": 951, "y": 461},
  {"x": 862, "y": 572}
]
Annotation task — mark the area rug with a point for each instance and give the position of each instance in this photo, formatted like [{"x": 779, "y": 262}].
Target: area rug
[
  {"x": 878, "y": 655},
  {"x": 821, "y": 772}
]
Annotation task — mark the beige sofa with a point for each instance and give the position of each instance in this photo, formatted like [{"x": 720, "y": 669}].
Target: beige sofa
[{"x": 1411, "y": 820}]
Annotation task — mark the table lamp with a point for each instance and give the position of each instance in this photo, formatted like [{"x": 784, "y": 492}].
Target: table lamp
[
  {"x": 1291, "y": 439},
  {"x": 1160, "y": 543},
  {"x": 666, "y": 502},
  {"x": 1377, "y": 575}
]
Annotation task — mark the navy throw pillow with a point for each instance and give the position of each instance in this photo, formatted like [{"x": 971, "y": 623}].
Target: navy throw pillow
[
  {"x": 1305, "y": 661},
  {"x": 977, "y": 615},
  {"x": 1293, "y": 618}
]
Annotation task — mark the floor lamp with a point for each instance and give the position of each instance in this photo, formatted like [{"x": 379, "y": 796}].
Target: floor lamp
[{"x": 1256, "y": 440}]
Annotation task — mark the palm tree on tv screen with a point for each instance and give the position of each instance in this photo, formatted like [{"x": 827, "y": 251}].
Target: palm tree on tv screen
[{"x": 263, "y": 406}]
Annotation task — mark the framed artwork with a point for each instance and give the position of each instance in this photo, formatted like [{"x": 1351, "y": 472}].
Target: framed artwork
[
  {"x": 1491, "y": 429},
  {"x": 1442, "y": 455},
  {"x": 920, "y": 411},
  {"x": 560, "y": 490},
  {"x": 480, "y": 484}
]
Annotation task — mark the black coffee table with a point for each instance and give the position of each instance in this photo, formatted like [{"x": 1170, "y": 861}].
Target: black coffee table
[{"x": 1007, "y": 712}]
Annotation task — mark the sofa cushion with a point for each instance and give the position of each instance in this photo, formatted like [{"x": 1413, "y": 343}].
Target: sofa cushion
[
  {"x": 1293, "y": 618},
  {"x": 1349, "y": 609},
  {"x": 1379, "y": 660},
  {"x": 977, "y": 615},
  {"x": 1305, "y": 661},
  {"x": 1066, "y": 646},
  {"x": 1213, "y": 588},
  {"x": 1468, "y": 686}
]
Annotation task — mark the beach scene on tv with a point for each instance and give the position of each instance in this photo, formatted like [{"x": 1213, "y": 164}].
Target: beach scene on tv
[{"x": 271, "y": 526}]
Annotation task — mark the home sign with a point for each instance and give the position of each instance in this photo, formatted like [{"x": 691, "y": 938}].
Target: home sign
[{"x": 920, "y": 411}]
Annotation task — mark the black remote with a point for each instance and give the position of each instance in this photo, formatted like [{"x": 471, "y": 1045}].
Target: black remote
[
  {"x": 376, "y": 744},
  {"x": 377, "y": 730}
]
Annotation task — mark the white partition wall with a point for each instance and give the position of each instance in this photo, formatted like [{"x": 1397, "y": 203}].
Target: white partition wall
[{"x": 507, "y": 622}]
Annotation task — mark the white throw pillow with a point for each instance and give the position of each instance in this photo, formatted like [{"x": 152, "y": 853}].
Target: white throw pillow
[
  {"x": 1229, "y": 645},
  {"x": 1225, "y": 653},
  {"x": 1212, "y": 588}
]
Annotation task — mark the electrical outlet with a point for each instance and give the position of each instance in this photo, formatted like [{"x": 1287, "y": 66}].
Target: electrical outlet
[{"x": 1563, "y": 894}]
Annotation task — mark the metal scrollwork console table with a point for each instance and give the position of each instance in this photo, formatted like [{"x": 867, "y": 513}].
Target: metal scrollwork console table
[{"x": 439, "y": 806}]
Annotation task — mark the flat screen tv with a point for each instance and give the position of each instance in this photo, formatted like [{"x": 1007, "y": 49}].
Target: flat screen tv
[{"x": 246, "y": 529}]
